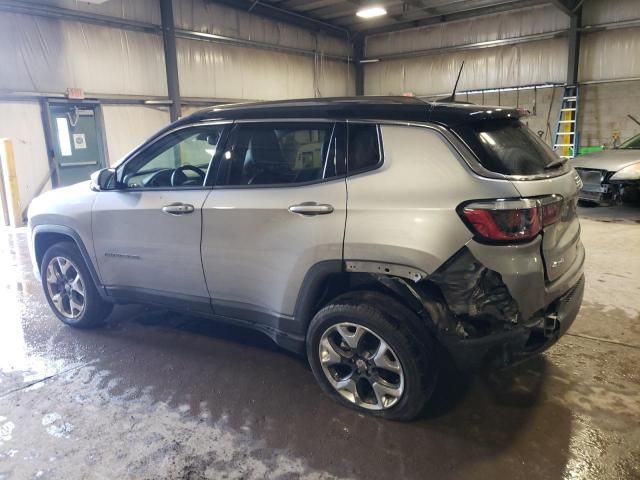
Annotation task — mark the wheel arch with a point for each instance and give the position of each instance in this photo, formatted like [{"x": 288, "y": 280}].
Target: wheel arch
[
  {"x": 44, "y": 236},
  {"x": 327, "y": 280}
]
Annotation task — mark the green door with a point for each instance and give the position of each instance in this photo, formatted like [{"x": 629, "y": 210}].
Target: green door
[{"x": 77, "y": 142}]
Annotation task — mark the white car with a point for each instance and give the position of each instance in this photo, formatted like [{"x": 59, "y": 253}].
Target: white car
[{"x": 611, "y": 176}]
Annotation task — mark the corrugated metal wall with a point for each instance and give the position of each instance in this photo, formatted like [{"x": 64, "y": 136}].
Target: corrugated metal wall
[
  {"x": 491, "y": 67},
  {"x": 605, "y": 55},
  {"x": 138, "y": 10},
  {"x": 222, "y": 71},
  {"x": 44, "y": 55},
  {"x": 505, "y": 66},
  {"x": 215, "y": 19},
  {"x": 211, "y": 70},
  {"x": 501, "y": 26}
]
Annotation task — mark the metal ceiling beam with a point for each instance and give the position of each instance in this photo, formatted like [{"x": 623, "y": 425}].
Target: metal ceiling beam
[
  {"x": 563, "y": 5},
  {"x": 468, "y": 46},
  {"x": 30, "y": 8},
  {"x": 263, "y": 9},
  {"x": 307, "y": 5},
  {"x": 450, "y": 17},
  {"x": 435, "y": 9},
  {"x": 239, "y": 42},
  {"x": 350, "y": 8}
]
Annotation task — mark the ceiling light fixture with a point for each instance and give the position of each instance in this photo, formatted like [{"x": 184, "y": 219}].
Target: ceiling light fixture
[{"x": 371, "y": 11}]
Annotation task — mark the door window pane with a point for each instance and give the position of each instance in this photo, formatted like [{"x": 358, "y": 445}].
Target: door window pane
[
  {"x": 277, "y": 153},
  {"x": 181, "y": 159},
  {"x": 63, "y": 136},
  {"x": 364, "y": 147}
]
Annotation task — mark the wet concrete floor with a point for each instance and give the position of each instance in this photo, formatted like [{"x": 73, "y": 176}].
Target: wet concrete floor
[{"x": 156, "y": 395}]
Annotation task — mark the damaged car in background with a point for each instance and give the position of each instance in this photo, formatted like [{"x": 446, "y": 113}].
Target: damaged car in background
[
  {"x": 611, "y": 176},
  {"x": 380, "y": 237}
]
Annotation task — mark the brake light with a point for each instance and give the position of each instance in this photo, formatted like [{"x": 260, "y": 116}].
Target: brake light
[
  {"x": 512, "y": 220},
  {"x": 551, "y": 209}
]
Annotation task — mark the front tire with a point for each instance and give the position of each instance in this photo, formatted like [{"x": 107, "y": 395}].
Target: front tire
[
  {"x": 372, "y": 354},
  {"x": 69, "y": 288}
]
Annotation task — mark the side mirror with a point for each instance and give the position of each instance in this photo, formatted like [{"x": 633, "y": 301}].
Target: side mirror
[{"x": 104, "y": 179}]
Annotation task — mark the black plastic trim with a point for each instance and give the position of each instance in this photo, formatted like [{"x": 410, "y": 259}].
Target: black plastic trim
[
  {"x": 310, "y": 290},
  {"x": 255, "y": 314},
  {"x": 351, "y": 173},
  {"x": 280, "y": 328},
  {"x": 69, "y": 232},
  {"x": 187, "y": 303}
]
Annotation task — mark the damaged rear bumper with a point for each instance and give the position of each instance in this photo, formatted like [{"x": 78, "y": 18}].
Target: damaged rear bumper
[
  {"x": 502, "y": 308},
  {"x": 517, "y": 342}
]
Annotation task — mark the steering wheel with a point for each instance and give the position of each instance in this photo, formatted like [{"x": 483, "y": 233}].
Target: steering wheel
[
  {"x": 178, "y": 176},
  {"x": 156, "y": 179}
]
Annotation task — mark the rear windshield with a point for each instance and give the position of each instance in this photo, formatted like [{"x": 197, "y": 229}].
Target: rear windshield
[{"x": 508, "y": 147}]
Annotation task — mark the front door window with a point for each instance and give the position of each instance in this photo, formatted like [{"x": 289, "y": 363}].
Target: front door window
[{"x": 180, "y": 159}]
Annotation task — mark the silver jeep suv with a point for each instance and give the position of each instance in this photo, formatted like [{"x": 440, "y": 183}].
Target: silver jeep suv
[{"x": 380, "y": 236}]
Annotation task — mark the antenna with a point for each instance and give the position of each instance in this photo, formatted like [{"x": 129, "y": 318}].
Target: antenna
[{"x": 452, "y": 97}]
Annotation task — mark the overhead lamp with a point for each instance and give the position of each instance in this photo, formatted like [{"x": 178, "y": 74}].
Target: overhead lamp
[{"x": 371, "y": 11}]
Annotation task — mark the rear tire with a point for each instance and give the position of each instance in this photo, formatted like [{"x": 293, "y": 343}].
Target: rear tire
[
  {"x": 69, "y": 288},
  {"x": 344, "y": 344}
]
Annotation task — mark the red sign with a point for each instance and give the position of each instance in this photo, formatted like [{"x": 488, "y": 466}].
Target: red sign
[{"x": 75, "y": 93}]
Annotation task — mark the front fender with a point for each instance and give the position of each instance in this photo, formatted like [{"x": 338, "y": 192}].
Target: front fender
[{"x": 45, "y": 235}]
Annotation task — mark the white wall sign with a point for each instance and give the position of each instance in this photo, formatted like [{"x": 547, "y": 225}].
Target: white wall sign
[{"x": 79, "y": 141}]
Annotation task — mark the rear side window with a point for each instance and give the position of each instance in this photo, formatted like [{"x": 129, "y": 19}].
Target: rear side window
[
  {"x": 508, "y": 147},
  {"x": 363, "y": 147},
  {"x": 278, "y": 153}
]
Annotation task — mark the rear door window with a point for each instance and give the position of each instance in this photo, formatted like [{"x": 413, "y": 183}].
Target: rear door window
[
  {"x": 363, "y": 147},
  {"x": 264, "y": 154},
  {"x": 509, "y": 147}
]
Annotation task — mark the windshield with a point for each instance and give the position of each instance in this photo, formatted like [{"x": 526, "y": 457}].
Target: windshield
[
  {"x": 633, "y": 143},
  {"x": 509, "y": 147}
]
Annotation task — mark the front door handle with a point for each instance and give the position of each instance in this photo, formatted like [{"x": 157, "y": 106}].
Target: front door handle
[
  {"x": 311, "y": 208},
  {"x": 178, "y": 208}
]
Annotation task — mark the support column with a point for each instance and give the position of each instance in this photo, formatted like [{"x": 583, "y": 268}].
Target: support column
[
  {"x": 170, "y": 58},
  {"x": 574, "y": 47},
  {"x": 10, "y": 184},
  {"x": 358, "y": 55}
]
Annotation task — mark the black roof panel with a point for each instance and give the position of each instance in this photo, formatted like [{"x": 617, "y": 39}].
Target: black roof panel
[{"x": 400, "y": 108}]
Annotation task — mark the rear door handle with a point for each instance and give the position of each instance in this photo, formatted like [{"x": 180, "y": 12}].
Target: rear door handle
[
  {"x": 311, "y": 208},
  {"x": 178, "y": 208}
]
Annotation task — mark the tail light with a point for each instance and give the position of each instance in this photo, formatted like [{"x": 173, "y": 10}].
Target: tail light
[{"x": 512, "y": 220}]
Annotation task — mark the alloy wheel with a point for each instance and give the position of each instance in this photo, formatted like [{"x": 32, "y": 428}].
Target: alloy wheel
[
  {"x": 361, "y": 366},
  {"x": 66, "y": 287}
]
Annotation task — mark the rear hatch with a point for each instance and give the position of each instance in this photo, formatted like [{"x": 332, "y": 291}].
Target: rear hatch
[{"x": 508, "y": 148}]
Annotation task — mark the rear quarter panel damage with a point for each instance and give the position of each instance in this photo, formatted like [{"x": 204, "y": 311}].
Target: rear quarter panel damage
[{"x": 405, "y": 211}]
